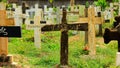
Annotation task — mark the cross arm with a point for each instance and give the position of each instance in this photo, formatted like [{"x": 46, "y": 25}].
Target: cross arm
[
  {"x": 58, "y": 27},
  {"x": 55, "y": 27},
  {"x": 78, "y": 26}
]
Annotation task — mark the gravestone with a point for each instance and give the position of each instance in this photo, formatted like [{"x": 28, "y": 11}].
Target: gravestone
[
  {"x": 119, "y": 7},
  {"x": 111, "y": 12},
  {"x": 107, "y": 14},
  {"x": 82, "y": 10},
  {"x": 58, "y": 15},
  {"x": 64, "y": 27},
  {"x": 18, "y": 17},
  {"x": 30, "y": 15},
  {"x": 97, "y": 10},
  {"x": 6, "y": 30},
  {"x": 14, "y": 5},
  {"x": 72, "y": 2},
  {"x": 92, "y": 21},
  {"x": 50, "y": 16},
  {"x": 33, "y": 22},
  {"x": 45, "y": 13}
]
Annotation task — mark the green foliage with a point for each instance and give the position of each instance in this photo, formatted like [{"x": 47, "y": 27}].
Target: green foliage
[
  {"x": 3, "y": 1},
  {"x": 9, "y": 6},
  {"x": 87, "y": 4},
  {"x": 102, "y": 3},
  {"x": 51, "y": 1},
  {"x": 115, "y": 0}
]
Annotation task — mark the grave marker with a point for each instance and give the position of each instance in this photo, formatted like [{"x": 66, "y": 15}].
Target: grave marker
[
  {"x": 119, "y": 7},
  {"x": 5, "y": 32},
  {"x": 18, "y": 17},
  {"x": 91, "y": 20},
  {"x": 34, "y": 23},
  {"x": 72, "y": 2},
  {"x": 64, "y": 27}
]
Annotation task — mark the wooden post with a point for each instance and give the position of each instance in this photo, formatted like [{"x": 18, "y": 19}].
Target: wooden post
[
  {"x": 64, "y": 27},
  {"x": 3, "y": 41},
  {"x": 92, "y": 21},
  {"x": 91, "y": 31},
  {"x": 111, "y": 12},
  {"x": 37, "y": 32},
  {"x": 86, "y": 32},
  {"x": 64, "y": 41},
  {"x": 72, "y": 4},
  {"x": 119, "y": 7},
  {"x": 5, "y": 59},
  {"x": 35, "y": 25}
]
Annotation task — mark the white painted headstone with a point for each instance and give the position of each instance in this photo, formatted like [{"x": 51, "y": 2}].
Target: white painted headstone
[
  {"x": 107, "y": 14},
  {"x": 18, "y": 16},
  {"x": 14, "y": 5},
  {"x": 58, "y": 15},
  {"x": 97, "y": 9},
  {"x": 35, "y": 15},
  {"x": 30, "y": 15},
  {"x": 45, "y": 13},
  {"x": 118, "y": 59},
  {"x": 81, "y": 10},
  {"x": 50, "y": 16},
  {"x": 45, "y": 8}
]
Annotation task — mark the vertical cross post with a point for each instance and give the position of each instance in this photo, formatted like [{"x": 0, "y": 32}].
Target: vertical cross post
[
  {"x": 3, "y": 41},
  {"x": 35, "y": 24},
  {"x": 72, "y": 4},
  {"x": 37, "y": 31},
  {"x": 64, "y": 27},
  {"x": 64, "y": 41},
  {"x": 92, "y": 21},
  {"x": 91, "y": 31},
  {"x": 6, "y": 30}
]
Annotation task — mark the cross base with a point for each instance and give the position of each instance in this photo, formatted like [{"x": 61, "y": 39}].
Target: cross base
[
  {"x": 6, "y": 60},
  {"x": 63, "y": 66},
  {"x": 118, "y": 59}
]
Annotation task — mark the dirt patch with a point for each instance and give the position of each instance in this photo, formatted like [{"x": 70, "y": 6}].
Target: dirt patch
[{"x": 74, "y": 38}]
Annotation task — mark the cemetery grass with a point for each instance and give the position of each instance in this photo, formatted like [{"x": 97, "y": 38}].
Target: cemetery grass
[{"x": 28, "y": 56}]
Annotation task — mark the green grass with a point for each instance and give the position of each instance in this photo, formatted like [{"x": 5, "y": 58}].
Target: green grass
[{"x": 27, "y": 55}]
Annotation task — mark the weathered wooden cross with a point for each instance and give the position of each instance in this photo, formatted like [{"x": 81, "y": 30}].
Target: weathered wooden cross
[
  {"x": 64, "y": 27},
  {"x": 6, "y": 30},
  {"x": 91, "y": 20}
]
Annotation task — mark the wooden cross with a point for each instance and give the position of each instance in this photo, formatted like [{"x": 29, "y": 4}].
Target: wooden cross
[
  {"x": 91, "y": 20},
  {"x": 64, "y": 27},
  {"x": 72, "y": 2},
  {"x": 6, "y": 30},
  {"x": 35, "y": 24},
  {"x": 4, "y": 41}
]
